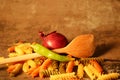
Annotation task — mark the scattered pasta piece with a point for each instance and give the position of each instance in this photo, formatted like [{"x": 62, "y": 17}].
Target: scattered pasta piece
[
  {"x": 96, "y": 65},
  {"x": 44, "y": 66},
  {"x": 80, "y": 71},
  {"x": 110, "y": 76},
  {"x": 35, "y": 72},
  {"x": 70, "y": 66},
  {"x": 62, "y": 67},
  {"x": 93, "y": 58},
  {"x": 64, "y": 76},
  {"x": 90, "y": 73},
  {"x": 94, "y": 70},
  {"x": 28, "y": 65},
  {"x": 16, "y": 70},
  {"x": 53, "y": 66},
  {"x": 47, "y": 73}
]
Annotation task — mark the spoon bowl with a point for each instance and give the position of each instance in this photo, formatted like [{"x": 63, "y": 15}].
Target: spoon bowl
[{"x": 81, "y": 46}]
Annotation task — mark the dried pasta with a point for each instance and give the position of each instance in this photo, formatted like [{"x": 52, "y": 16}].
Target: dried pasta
[
  {"x": 19, "y": 51},
  {"x": 109, "y": 76},
  {"x": 94, "y": 70},
  {"x": 64, "y": 76},
  {"x": 56, "y": 70},
  {"x": 47, "y": 73},
  {"x": 13, "y": 54},
  {"x": 62, "y": 67},
  {"x": 86, "y": 60},
  {"x": 89, "y": 73},
  {"x": 80, "y": 71},
  {"x": 17, "y": 69},
  {"x": 53, "y": 65},
  {"x": 28, "y": 64}
]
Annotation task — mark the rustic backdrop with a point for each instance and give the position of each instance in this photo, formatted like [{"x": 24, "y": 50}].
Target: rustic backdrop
[{"x": 23, "y": 19}]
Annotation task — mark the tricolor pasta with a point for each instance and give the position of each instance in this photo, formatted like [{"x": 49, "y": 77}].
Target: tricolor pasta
[{"x": 44, "y": 67}]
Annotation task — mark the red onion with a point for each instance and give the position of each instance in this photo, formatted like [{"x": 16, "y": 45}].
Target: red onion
[{"x": 53, "y": 40}]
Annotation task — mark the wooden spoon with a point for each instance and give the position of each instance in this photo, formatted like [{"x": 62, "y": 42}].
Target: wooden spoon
[{"x": 81, "y": 46}]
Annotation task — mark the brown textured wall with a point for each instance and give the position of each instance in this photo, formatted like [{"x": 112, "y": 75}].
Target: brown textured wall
[{"x": 22, "y": 19}]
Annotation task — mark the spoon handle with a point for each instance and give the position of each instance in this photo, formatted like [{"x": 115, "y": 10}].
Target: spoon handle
[{"x": 19, "y": 58}]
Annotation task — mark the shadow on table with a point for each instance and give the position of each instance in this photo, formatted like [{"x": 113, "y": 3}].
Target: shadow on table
[{"x": 102, "y": 49}]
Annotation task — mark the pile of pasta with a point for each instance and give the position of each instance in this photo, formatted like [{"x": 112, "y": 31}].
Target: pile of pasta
[{"x": 44, "y": 67}]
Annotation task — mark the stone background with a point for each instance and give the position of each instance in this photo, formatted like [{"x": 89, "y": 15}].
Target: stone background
[{"x": 23, "y": 19}]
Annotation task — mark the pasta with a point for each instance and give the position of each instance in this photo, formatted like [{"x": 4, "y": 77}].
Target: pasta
[
  {"x": 57, "y": 70},
  {"x": 53, "y": 65},
  {"x": 19, "y": 51},
  {"x": 94, "y": 70},
  {"x": 16, "y": 70},
  {"x": 86, "y": 60},
  {"x": 62, "y": 67},
  {"x": 90, "y": 73},
  {"x": 13, "y": 54},
  {"x": 28, "y": 64},
  {"x": 80, "y": 71},
  {"x": 64, "y": 76},
  {"x": 44, "y": 66},
  {"x": 70, "y": 66},
  {"x": 109, "y": 76},
  {"x": 47, "y": 73},
  {"x": 96, "y": 65}
]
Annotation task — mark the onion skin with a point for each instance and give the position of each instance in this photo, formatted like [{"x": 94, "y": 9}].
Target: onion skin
[{"x": 53, "y": 40}]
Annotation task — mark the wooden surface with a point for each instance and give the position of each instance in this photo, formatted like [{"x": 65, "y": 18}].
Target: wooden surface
[{"x": 22, "y": 19}]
